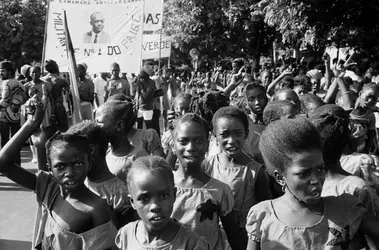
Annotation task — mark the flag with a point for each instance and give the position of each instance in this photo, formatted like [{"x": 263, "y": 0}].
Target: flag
[{"x": 74, "y": 79}]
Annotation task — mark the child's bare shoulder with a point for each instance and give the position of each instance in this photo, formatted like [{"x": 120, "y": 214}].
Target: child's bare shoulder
[{"x": 97, "y": 208}]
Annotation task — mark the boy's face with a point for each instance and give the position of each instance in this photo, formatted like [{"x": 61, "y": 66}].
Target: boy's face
[
  {"x": 265, "y": 78},
  {"x": 181, "y": 106},
  {"x": 369, "y": 97},
  {"x": 256, "y": 100},
  {"x": 231, "y": 135},
  {"x": 5, "y": 74},
  {"x": 153, "y": 196},
  {"x": 69, "y": 165},
  {"x": 115, "y": 71}
]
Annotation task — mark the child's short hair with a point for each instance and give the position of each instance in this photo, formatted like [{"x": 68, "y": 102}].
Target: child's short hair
[
  {"x": 120, "y": 110},
  {"x": 183, "y": 96},
  {"x": 205, "y": 104},
  {"x": 286, "y": 137},
  {"x": 93, "y": 133},
  {"x": 59, "y": 138},
  {"x": 332, "y": 122},
  {"x": 254, "y": 85},
  {"x": 231, "y": 112},
  {"x": 371, "y": 85},
  {"x": 192, "y": 117},
  {"x": 150, "y": 163},
  {"x": 309, "y": 102},
  {"x": 273, "y": 111},
  {"x": 290, "y": 91},
  {"x": 287, "y": 82}
]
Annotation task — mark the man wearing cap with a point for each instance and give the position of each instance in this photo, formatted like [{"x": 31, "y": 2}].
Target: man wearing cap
[
  {"x": 86, "y": 92},
  {"x": 58, "y": 85},
  {"x": 12, "y": 97},
  {"x": 145, "y": 94},
  {"x": 25, "y": 71}
]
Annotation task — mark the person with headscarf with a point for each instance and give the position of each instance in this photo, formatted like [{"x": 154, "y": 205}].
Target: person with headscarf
[{"x": 12, "y": 94}]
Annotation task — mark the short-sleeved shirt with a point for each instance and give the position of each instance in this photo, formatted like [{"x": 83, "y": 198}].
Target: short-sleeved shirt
[
  {"x": 86, "y": 90},
  {"x": 57, "y": 84},
  {"x": 114, "y": 191},
  {"x": 100, "y": 85},
  {"x": 120, "y": 165},
  {"x": 147, "y": 139},
  {"x": 184, "y": 240},
  {"x": 337, "y": 227},
  {"x": 50, "y": 235},
  {"x": 201, "y": 208},
  {"x": 117, "y": 86},
  {"x": 355, "y": 186},
  {"x": 241, "y": 179}
]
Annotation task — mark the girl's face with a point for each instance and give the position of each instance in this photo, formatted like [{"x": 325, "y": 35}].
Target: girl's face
[
  {"x": 256, "y": 100},
  {"x": 231, "y": 135},
  {"x": 69, "y": 165},
  {"x": 181, "y": 106},
  {"x": 190, "y": 140},
  {"x": 369, "y": 97},
  {"x": 35, "y": 73},
  {"x": 305, "y": 176},
  {"x": 106, "y": 122},
  {"x": 153, "y": 197}
]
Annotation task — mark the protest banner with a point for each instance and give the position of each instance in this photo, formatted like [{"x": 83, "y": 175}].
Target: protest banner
[
  {"x": 151, "y": 45},
  {"x": 153, "y": 15},
  {"x": 102, "y": 32}
]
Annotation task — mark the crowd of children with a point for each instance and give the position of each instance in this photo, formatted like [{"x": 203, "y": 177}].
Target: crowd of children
[{"x": 245, "y": 162}]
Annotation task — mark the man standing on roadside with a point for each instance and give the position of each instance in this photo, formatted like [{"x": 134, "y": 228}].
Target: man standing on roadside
[
  {"x": 145, "y": 94},
  {"x": 12, "y": 97},
  {"x": 58, "y": 85},
  {"x": 86, "y": 92}
]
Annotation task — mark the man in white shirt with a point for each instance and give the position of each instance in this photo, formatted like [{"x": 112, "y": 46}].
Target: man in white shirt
[
  {"x": 97, "y": 34},
  {"x": 100, "y": 81}
]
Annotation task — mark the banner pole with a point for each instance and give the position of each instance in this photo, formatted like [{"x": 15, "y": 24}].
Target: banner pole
[
  {"x": 45, "y": 37},
  {"x": 160, "y": 38},
  {"x": 160, "y": 48},
  {"x": 143, "y": 24}
]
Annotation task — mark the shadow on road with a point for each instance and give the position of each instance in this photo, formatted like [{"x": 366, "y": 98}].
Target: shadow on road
[
  {"x": 14, "y": 244},
  {"x": 10, "y": 186}
]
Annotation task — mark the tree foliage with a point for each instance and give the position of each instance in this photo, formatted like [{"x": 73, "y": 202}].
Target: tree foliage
[
  {"x": 217, "y": 28},
  {"x": 22, "y": 30},
  {"x": 337, "y": 22}
]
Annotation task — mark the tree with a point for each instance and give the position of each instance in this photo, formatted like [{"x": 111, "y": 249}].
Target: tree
[
  {"x": 337, "y": 22},
  {"x": 217, "y": 28},
  {"x": 22, "y": 30}
]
